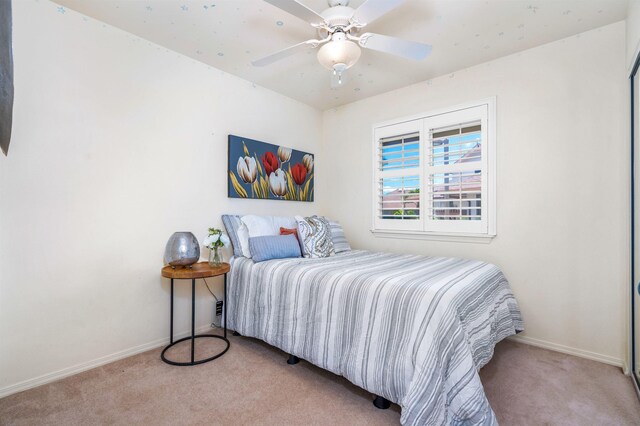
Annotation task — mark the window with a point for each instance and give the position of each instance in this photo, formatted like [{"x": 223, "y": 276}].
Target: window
[{"x": 434, "y": 174}]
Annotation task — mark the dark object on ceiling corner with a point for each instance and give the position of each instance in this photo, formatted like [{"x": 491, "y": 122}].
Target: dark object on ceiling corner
[{"x": 6, "y": 76}]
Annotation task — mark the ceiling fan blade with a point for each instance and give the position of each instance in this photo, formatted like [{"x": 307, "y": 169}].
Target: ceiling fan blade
[
  {"x": 395, "y": 46},
  {"x": 371, "y": 10},
  {"x": 299, "y": 10},
  {"x": 281, "y": 54}
]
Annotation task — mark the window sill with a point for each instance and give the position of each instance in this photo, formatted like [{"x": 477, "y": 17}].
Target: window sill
[{"x": 434, "y": 236}]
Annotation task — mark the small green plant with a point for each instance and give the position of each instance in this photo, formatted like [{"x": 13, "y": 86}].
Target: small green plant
[{"x": 216, "y": 239}]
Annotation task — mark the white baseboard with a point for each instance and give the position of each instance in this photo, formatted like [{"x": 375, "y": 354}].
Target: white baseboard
[
  {"x": 79, "y": 368},
  {"x": 569, "y": 350}
]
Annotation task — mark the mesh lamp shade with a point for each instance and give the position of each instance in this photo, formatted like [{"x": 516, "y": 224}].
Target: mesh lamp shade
[{"x": 341, "y": 53}]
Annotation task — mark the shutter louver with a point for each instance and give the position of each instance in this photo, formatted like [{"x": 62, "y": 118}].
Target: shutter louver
[
  {"x": 399, "y": 198},
  {"x": 399, "y": 152},
  {"x": 455, "y": 196},
  {"x": 454, "y": 178},
  {"x": 454, "y": 183},
  {"x": 398, "y": 177}
]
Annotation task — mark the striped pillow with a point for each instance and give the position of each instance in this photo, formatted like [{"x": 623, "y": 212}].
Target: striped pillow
[
  {"x": 269, "y": 247},
  {"x": 232, "y": 224},
  {"x": 340, "y": 243}
]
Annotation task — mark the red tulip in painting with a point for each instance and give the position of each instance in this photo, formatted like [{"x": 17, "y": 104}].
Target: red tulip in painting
[
  {"x": 270, "y": 162},
  {"x": 299, "y": 173}
]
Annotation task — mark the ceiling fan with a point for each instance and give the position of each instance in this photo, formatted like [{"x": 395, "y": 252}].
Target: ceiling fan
[{"x": 339, "y": 36}]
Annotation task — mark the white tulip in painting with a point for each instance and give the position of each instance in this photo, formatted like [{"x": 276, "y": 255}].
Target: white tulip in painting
[
  {"x": 307, "y": 160},
  {"x": 278, "y": 183},
  {"x": 284, "y": 154},
  {"x": 247, "y": 169}
]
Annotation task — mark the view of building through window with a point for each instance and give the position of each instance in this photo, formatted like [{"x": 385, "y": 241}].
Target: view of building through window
[
  {"x": 455, "y": 195},
  {"x": 452, "y": 195}
]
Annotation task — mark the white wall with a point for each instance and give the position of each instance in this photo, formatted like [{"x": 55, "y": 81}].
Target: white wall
[
  {"x": 562, "y": 179},
  {"x": 633, "y": 32},
  {"x": 117, "y": 143}
]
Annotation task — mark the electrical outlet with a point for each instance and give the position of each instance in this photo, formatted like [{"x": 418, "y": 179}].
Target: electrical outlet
[{"x": 219, "y": 308}]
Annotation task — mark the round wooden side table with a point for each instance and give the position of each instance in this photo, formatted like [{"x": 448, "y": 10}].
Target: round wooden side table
[{"x": 196, "y": 271}]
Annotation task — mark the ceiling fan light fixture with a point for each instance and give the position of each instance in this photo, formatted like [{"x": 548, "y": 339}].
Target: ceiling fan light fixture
[
  {"x": 344, "y": 53},
  {"x": 340, "y": 35}
]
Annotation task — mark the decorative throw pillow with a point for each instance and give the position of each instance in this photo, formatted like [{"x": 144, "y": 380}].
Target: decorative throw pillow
[
  {"x": 292, "y": 231},
  {"x": 340, "y": 243},
  {"x": 273, "y": 247},
  {"x": 315, "y": 234},
  {"x": 287, "y": 231}
]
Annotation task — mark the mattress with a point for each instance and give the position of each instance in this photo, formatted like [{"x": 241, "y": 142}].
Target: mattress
[{"x": 412, "y": 329}]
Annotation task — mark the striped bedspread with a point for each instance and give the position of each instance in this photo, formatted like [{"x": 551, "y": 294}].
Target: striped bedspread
[{"x": 412, "y": 329}]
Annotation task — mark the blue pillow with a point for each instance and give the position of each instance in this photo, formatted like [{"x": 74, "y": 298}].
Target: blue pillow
[{"x": 274, "y": 247}]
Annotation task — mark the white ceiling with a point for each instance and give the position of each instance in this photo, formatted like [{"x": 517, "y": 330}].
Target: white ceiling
[{"x": 228, "y": 34}]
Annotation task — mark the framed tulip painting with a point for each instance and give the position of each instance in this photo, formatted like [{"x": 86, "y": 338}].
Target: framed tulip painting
[{"x": 266, "y": 171}]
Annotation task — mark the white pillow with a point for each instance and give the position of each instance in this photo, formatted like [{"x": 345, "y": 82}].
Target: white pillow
[
  {"x": 258, "y": 226},
  {"x": 243, "y": 240}
]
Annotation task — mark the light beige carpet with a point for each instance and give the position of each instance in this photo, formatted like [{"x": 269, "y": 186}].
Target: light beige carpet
[{"x": 252, "y": 384}]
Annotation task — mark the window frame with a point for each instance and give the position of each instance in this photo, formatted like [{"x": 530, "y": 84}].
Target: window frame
[{"x": 448, "y": 232}]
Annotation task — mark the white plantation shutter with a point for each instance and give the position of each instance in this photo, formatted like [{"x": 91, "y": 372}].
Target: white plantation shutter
[
  {"x": 432, "y": 174},
  {"x": 455, "y": 178},
  {"x": 398, "y": 176}
]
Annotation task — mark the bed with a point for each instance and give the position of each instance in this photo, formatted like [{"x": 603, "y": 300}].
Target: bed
[{"x": 412, "y": 329}]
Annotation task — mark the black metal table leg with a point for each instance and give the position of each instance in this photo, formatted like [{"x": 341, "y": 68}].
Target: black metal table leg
[
  {"x": 193, "y": 335},
  {"x": 171, "y": 326},
  {"x": 193, "y": 319}
]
